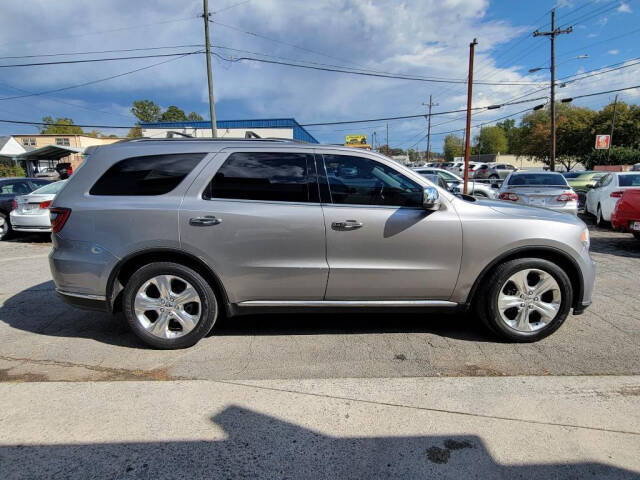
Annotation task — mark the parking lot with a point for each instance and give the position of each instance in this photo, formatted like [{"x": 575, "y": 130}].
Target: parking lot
[{"x": 45, "y": 340}]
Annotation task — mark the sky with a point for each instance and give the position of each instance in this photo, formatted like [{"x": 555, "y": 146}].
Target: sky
[{"x": 428, "y": 39}]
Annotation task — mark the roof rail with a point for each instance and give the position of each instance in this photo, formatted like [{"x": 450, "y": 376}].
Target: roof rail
[{"x": 219, "y": 139}]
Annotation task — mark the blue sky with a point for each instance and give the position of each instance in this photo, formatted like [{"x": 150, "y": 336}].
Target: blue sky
[{"x": 427, "y": 38}]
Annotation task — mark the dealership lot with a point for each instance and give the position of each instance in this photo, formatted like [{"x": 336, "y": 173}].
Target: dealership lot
[{"x": 45, "y": 340}]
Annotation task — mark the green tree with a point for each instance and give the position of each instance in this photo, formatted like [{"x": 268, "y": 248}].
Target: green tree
[
  {"x": 491, "y": 140},
  {"x": 453, "y": 147},
  {"x": 512, "y": 132},
  {"x": 60, "y": 126},
  {"x": 194, "y": 117},
  {"x": 413, "y": 155},
  {"x": 173, "y": 114},
  {"x": 146, "y": 111},
  {"x": 135, "y": 132}
]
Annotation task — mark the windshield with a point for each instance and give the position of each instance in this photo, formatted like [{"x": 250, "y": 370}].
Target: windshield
[
  {"x": 629, "y": 180},
  {"x": 51, "y": 188},
  {"x": 537, "y": 179}
]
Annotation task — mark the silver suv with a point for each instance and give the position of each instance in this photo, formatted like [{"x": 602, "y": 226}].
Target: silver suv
[{"x": 176, "y": 233}]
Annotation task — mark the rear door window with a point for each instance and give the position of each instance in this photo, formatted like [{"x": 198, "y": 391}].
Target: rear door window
[
  {"x": 266, "y": 176},
  {"x": 147, "y": 175}
]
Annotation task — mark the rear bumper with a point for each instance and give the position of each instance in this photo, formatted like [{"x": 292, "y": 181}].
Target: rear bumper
[
  {"x": 30, "y": 223},
  {"x": 84, "y": 301}
]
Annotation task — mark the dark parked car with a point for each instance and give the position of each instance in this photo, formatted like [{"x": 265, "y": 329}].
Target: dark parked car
[{"x": 11, "y": 188}]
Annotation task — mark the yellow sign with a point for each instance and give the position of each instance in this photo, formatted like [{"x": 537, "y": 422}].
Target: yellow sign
[{"x": 356, "y": 139}]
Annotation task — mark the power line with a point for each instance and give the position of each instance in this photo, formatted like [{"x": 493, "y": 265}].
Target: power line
[
  {"x": 68, "y": 54},
  {"x": 599, "y": 93},
  {"x": 92, "y": 82},
  {"x": 224, "y": 9},
  {"x": 94, "y": 60}
]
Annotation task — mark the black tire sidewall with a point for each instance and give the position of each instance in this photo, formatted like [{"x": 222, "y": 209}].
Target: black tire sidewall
[
  {"x": 8, "y": 224},
  {"x": 208, "y": 305},
  {"x": 498, "y": 279}
]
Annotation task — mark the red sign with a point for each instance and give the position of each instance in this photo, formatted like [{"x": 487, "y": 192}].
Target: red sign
[{"x": 603, "y": 142}]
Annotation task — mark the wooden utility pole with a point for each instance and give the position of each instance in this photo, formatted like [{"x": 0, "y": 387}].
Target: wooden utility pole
[
  {"x": 212, "y": 109},
  {"x": 430, "y": 104},
  {"x": 613, "y": 123},
  {"x": 468, "y": 129},
  {"x": 552, "y": 35}
]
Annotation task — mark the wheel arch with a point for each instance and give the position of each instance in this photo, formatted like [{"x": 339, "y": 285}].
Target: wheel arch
[
  {"x": 132, "y": 262},
  {"x": 555, "y": 255}
]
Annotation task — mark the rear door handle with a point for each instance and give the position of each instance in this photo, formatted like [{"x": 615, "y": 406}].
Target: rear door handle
[
  {"x": 346, "y": 225},
  {"x": 205, "y": 221}
]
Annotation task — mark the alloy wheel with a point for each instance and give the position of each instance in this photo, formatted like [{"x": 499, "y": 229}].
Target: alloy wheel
[
  {"x": 529, "y": 300},
  {"x": 167, "y": 306}
]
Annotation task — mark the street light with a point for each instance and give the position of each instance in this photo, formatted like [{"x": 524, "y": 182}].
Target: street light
[{"x": 537, "y": 69}]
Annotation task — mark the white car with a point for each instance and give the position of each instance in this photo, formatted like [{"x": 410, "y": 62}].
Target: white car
[
  {"x": 455, "y": 183},
  {"x": 32, "y": 211},
  {"x": 602, "y": 198}
]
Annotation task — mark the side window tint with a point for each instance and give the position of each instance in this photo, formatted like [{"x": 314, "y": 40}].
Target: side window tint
[
  {"x": 361, "y": 181},
  {"x": 276, "y": 177},
  {"x": 17, "y": 188},
  {"x": 148, "y": 175}
]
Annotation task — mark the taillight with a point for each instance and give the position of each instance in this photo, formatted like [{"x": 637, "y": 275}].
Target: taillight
[
  {"x": 14, "y": 204},
  {"x": 45, "y": 205},
  {"x": 567, "y": 197},
  {"x": 59, "y": 217},
  {"x": 509, "y": 196},
  {"x": 617, "y": 194}
]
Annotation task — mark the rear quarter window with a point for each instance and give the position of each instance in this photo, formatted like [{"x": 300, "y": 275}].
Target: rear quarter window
[{"x": 146, "y": 175}]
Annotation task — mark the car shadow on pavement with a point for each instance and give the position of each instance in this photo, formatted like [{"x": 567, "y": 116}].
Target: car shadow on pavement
[
  {"x": 262, "y": 446},
  {"x": 621, "y": 246},
  {"x": 39, "y": 310},
  {"x": 29, "y": 238}
]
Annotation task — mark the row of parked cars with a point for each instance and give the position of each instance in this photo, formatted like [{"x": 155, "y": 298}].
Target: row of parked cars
[
  {"x": 477, "y": 170},
  {"x": 609, "y": 196}
]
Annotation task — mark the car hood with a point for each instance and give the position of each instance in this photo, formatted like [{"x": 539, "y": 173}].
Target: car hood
[{"x": 516, "y": 210}]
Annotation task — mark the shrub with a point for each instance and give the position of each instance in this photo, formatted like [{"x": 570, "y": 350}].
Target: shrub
[{"x": 11, "y": 171}]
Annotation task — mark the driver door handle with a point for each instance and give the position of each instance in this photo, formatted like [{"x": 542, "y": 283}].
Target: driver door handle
[
  {"x": 346, "y": 225},
  {"x": 206, "y": 221}
]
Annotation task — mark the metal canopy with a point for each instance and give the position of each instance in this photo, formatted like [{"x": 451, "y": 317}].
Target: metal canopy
[{"x": 49, "y": 152}]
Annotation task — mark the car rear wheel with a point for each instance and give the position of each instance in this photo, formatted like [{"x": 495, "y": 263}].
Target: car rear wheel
[
  {"x": 600, "y": 222},
  {"x": 169, "y": 306},
  {"x": 526, "y": 299},
  {"x": 493, "y": 176}
]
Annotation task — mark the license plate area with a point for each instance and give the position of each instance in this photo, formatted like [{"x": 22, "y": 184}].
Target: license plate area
[
  {"x": 635, "y": 226},
  {"x": 29, "y": 208},
  {"x": 537, "y": 202}
]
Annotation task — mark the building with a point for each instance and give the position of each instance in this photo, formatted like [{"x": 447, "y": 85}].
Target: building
[
  {"x": 264, "y": 128},
  {"x": 9, "y": 148},
  {"x": 61, "y": 148},
  {"x": 522, "y": 162}
]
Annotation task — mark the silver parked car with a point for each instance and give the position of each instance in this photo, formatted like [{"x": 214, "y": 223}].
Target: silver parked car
[
  {"x": 540, "y": 189},
  {"x": 177, "y": 232},
  {"x": 32, "y": 211},
  {"x": 455, "y": 183}
]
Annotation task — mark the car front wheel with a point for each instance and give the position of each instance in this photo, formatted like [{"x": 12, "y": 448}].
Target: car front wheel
[
  {"x": 169, "y": 306},
  {"x": 5, "y": 228},
  {"x": 526, "y": 299}
]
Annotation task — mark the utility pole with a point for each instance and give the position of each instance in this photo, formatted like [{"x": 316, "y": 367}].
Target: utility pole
[
  {"x": 613, "y": 122},
  {"x": 430, "y": 104},
  {"x": 468, "y": 129},
  {"x": 552, "y": 35},
  {"x": 388, "y": 149},
  {"x": 212, "y": 110}
]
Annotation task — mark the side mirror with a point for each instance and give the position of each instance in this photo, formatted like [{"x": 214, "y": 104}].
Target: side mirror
[{"x": 431, "y": 199}]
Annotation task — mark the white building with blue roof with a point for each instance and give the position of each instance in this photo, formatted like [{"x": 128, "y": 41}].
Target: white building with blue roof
[{"x": 264, "y": 128}]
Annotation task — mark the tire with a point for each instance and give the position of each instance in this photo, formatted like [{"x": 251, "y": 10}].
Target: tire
[
  {"x": 5, "y": 230},
  {"x": 183, "y": 325},
  {"x": 636, "y": 235},
  {"x": 500, "y": 286},
  {"x": 493, "y": 176},
  {"x": 600, "y": 222}
]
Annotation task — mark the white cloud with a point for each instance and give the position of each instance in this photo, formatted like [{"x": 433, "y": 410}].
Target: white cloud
[
  {"x": 613, "y": 52},
  {"x": 624, "y": 8}
]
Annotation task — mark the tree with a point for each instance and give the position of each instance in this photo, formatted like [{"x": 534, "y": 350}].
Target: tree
[
  {"x": 135, "y": 132},
  {"x": 453, "y": 147},
  {"x": 60, "y": 126},
  {"x": 146, "y": 111},
  {"x": 413, "y": 155},
  {"x": 512, "y": 133},
  {"x": 173, "y": 114},
  {"x": 194, "y": 117},
  {"x": 492, "y": 140}
]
